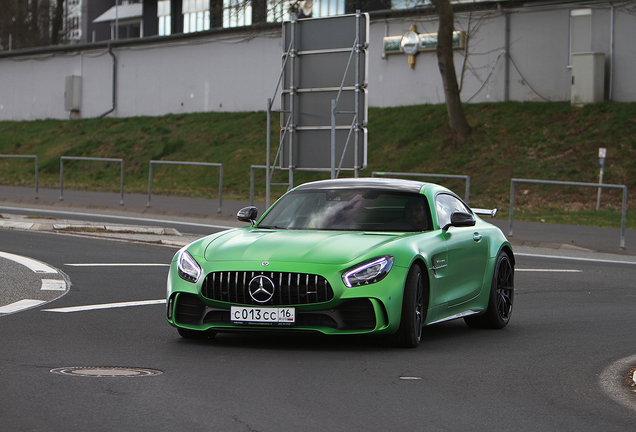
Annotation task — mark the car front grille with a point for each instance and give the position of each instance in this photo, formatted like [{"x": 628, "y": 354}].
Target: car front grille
[{"x": 289, "y": 288}]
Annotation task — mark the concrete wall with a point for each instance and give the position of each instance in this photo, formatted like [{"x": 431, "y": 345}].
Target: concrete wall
[
  {"x": 238, "y": 70},
  {"x": 624, "y": 76}
]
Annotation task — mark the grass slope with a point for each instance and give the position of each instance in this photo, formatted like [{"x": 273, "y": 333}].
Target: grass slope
[{"x": 550, "y": 141}]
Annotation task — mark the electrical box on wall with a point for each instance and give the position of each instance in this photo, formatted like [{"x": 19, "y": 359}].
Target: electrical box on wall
[
  {"x": 588, "y": 78},
  {"x": 72, "y": 89}
]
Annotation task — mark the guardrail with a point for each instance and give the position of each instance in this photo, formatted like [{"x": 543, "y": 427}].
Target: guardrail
[
  {"x": 374, "y": 174},
  {"x": 452, "y": 176},
  {"x": 63, "y": 158},
  {"x": 562, "y": 183},
  {"x": 218, "y": 165},
  {"x": 36, "y": 167}
]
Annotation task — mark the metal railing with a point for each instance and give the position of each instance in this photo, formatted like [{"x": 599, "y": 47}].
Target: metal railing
[
  {"x": 218, "y": 165},
  {"x": 450, "y": 176},
  {"x": 63, "y": 158},
  {"x": 562, "y": 183},
  {"x": 36, "y": 167}
]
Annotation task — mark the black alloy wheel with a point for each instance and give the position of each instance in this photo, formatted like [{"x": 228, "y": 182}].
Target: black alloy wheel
[
  {"x": 414, "y": 305},
  {"x": 501, "y": 297},
  {"x": 504, "y": 289}
]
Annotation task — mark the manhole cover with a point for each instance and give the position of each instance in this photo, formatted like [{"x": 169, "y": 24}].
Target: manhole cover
[{"x": 106, "y": 371}]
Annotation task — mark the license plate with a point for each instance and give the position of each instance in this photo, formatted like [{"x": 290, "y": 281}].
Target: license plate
[{"x": 263, "y": 315}]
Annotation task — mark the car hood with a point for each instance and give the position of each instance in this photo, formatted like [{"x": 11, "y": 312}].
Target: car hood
[{"x": 319, "y": 247}]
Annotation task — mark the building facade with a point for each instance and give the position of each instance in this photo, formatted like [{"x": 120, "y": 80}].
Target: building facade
[
  {"x": 137, "y": 18},
  {"x": 531, "y": 51}
]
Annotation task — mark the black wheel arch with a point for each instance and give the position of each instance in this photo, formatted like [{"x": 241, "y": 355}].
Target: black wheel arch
[
  {"x": 427, "y": 285},
  {"x": 508, "y": 250}
]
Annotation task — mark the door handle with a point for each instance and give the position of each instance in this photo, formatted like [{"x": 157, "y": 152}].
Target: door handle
[{"x": 477, "y": 237}]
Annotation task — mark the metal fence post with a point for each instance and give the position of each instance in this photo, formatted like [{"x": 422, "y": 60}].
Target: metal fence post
[
  {"x": 512, "y": 206},
  {"x": 624, "y": 217},
  {"x": 61, "y": 179},
  {"x": 36, "y": 177},
  {"x": 220, "y": 189},
  {"x": 149, "y": 183},
  {"x": 121, "y": 197},
  {"x": 252, "y": 183}
]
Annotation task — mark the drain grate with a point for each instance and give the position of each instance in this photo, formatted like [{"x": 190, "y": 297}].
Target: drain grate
[{"x": 106, "y": 371}]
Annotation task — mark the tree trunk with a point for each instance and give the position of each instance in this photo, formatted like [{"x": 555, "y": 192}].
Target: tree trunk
[
  {"x": 459, "y": 126},
  {"x": 57, "y": 23}
]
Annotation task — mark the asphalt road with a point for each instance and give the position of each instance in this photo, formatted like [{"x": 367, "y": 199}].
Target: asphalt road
[{"x": 562, "y": 364}]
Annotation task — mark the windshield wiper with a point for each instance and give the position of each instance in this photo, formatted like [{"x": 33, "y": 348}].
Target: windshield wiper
[{"x": 269, "y": 227}]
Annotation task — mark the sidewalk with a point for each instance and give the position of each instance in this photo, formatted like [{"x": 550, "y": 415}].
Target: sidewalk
[
  {"x": 196, "y": 208},
  {"x": 570, "y": 238}
]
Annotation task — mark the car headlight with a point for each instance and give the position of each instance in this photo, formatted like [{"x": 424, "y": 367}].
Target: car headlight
[
  {"x": 189, "y": 270},
  {"x": 368, "y": 272}
]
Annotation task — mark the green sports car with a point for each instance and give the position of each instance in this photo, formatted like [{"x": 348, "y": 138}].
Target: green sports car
[{"x": 347, "y": 256}]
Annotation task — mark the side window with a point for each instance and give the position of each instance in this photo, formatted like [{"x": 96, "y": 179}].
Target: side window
[{"x": 446, "y": 205}]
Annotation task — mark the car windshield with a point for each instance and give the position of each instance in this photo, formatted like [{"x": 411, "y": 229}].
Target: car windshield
[{"x": 349, "y": 210}]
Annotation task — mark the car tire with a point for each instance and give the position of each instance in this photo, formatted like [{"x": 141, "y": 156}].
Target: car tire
[
  {"x": 195, "y": 334},
  {"x": 414, "y": 306},
  {"x": 501, "y": 297}
]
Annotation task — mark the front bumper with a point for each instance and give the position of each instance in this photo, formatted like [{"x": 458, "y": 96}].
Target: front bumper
[{"x": 373, "y": 308}]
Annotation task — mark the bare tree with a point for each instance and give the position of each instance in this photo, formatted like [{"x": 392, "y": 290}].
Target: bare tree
[
  {"x": 57, "y": 22},
  {"x": 26, "y": 23},
  {"x": 460, "y": 129}
]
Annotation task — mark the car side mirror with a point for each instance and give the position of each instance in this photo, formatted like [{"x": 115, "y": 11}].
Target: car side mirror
[
  {"x": 460, "y": 219},
  {"x": 247, "y": 214}
]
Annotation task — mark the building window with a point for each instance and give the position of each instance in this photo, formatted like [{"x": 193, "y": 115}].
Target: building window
[
  {"x": 278, "y": 11},
  {"x": 237, "y": 13},
  {"x": 165, "y": 20},
  {"x": 325, "y": 8},
  {"x": 73, "y": 23},
  {"x": 408, "y": 4},
  {"x": 196, "y": 15}
]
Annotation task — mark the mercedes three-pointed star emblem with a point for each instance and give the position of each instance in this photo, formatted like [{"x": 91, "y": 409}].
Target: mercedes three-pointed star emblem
[{"x": 261, "y": 289}]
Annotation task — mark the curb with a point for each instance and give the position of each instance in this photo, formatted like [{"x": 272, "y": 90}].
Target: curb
[{"x": 124, "y": 232}]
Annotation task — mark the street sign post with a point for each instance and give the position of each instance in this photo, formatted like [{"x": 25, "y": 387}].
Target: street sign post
[
  {"x": 323, "y": 100},
  {"x": 602, "y": 153}
]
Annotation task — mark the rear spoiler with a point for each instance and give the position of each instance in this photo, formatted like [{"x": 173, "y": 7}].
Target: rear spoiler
[{"x": 485, "y": 212}]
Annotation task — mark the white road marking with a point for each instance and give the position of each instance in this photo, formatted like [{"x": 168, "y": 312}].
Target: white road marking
[
  {"x": 548, "y": 270},
  {"x": 106, "y": 306},
  {"x": 117, "y": 265},
  {"x": 575, "y": 258},
  {"x": 35, "y": 266},
  {"x": 53, "y": 285},
  {"x": 20, "y": 305}
]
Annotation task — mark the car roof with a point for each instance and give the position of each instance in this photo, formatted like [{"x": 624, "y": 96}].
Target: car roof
[{"x": 397, "y": 185}]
